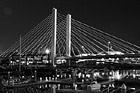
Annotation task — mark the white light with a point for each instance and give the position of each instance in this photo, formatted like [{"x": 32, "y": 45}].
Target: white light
[
  {"x": 118, "y": 77},
  {"x": 103, "y": 73},
  {"x": 134, "y": 76},
  {"x": 79, "y": 75},
  {"x": 133, "y": 88},
  {"x": 88, "y": 75},
  {"x": 47, "y": 51},
  {"x": 58, "y": 75},
  {"x": 27, "y": 63},
  {"x": 97, "y": 63},
  {"x": 11, "y": 61}
]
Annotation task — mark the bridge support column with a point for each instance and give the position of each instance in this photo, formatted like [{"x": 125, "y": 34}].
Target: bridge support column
[
  {"x": 53, "y": 49},
  {"x": 68, "y": 37}
]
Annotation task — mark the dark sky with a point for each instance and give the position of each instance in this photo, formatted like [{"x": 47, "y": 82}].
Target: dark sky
[{"x": 119, "y": 18}]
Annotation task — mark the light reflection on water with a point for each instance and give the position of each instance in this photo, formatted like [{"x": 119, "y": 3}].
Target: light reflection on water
[
  {"x": 130, "y": 73},
  {"x": 117, "y": 74},
  {"x": 121, "y": 73},
  {"x": 132, "y": 79}
]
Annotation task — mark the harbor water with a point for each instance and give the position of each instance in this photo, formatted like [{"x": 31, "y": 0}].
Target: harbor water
[{"x": 130, "y": 78}]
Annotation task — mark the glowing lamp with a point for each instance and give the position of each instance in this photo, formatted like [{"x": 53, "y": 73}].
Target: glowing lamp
[{"x": 47, "y": 51}]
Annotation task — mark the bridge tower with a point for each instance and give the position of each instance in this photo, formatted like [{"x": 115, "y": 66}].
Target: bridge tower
[
  {"x": 54, "y": 29},
  {"x": 68, "y": 36}
]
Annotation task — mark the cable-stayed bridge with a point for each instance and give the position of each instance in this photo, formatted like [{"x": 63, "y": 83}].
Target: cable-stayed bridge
[{"x": 85, "y": 39}]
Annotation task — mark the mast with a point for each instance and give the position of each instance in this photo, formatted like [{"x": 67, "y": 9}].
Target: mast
[{"x": 20, "y": 54}]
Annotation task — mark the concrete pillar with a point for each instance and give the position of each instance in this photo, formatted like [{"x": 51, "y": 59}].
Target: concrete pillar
[
  {"x": 35, "y": 75},
  {"x": 74, "y": 77},
  {"x": 46, "y": 79},
  {"x": 8, "y": 77},
  {"x": 68, "y": 37},
  {"x": 40, "y": 79},
  {"x": 54, "y": 88},
  {"x": 54, "y": 29},
  {"x": 58, "y": 86},
  {"x": 75, "y": 87}
]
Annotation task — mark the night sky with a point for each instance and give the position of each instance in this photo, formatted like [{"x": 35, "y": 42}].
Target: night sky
[{"x": 119, "y": 18}]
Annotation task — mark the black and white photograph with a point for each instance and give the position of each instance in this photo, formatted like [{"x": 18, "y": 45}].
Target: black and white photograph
[{"x": 69, "y": 46}]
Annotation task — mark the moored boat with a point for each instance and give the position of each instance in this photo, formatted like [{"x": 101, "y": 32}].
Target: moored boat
[{"x": 15, "y": 81}]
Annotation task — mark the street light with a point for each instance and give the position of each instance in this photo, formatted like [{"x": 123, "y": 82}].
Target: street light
[
  {"x": 83, "y": 48},
  {"x": 47, "y": 51},
  {"x": 108, "y": 46}
]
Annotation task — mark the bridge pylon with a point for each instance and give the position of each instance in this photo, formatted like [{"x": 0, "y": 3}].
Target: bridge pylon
[
  {"x": 54, "y": 30},
  {"x": 68, "y": 36}
]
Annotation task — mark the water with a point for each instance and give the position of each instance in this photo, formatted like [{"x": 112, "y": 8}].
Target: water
[{"x": 132, "y": 79}]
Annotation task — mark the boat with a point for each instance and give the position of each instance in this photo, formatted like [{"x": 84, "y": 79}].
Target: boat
[
  {"x": 94, "y": 86},
  {"x": 15, "y": 81}
]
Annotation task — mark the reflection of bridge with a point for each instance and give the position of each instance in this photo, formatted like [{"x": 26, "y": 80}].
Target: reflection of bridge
[{"x": 69, "y": 39}]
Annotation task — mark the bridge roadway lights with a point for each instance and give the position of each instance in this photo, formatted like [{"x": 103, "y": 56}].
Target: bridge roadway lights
[{"x": 104, "y": 56}]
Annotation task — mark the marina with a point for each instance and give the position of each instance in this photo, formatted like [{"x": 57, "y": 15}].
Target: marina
[
  {"x": 65, "y": 84},
  {"x": 53, "y": 58}
]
